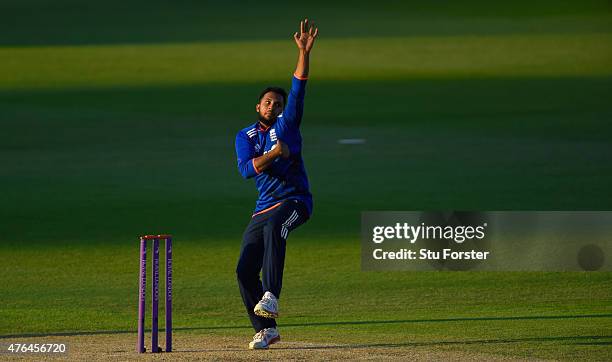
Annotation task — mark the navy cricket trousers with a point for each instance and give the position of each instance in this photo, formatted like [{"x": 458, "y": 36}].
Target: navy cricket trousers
[{"x": 263, "y": 249}]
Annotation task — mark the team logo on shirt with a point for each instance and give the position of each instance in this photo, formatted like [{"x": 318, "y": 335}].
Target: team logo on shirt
[{"x": 273, "y": 135}]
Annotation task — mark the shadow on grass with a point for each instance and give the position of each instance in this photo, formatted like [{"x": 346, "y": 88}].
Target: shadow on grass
[
  {"x": 338, "y": 323},
  {"x": 422, "y": 344},
  {"x": 604, "y": 343},
  {"x": 442, "y": 343}
]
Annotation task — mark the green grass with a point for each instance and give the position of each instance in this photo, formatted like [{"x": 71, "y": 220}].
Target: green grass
[
  {"x": 40, "y": 22},
  {"x": 114, "y": 129},
  {"x": 99, "y": 168},
  {"x": 78, "y": 287},
  {"x": 381, "y": 58}
]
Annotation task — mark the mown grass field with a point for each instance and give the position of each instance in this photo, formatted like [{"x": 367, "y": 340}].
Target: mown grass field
[{"x": 119, "y": 121}]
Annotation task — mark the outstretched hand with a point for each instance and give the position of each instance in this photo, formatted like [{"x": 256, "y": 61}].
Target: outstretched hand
[{"x": 306, "y": 36}]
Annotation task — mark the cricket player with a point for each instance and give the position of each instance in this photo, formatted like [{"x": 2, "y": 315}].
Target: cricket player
[{"x": 270, "y": 150}]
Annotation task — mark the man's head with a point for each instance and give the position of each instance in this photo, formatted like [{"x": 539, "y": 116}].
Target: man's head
[{"x": 271, "y": 103}]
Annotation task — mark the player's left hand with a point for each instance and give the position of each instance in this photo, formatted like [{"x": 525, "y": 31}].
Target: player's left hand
[{"x": 306, "y": 36}]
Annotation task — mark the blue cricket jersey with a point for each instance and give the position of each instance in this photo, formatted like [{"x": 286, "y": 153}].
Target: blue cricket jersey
[{"x": 285, "y": 179}]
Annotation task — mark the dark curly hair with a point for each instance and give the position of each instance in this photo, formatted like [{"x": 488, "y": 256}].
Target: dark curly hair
[{"x": 277, "y": 90}]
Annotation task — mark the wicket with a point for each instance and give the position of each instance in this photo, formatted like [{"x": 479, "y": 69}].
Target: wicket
[{"x": 142, "y": 292}]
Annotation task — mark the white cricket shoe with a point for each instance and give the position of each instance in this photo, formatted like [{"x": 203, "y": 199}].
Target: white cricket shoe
[
  {"x": 267, "y": 306},
  {"x": 264, "y": 338}
]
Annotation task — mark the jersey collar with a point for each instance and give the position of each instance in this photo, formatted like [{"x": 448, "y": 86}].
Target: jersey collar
[{"x": 262, "y": 127}]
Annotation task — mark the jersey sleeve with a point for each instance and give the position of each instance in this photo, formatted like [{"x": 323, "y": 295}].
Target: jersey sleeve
[
  {"x": 245, "y": 151},
  {"x": 292, "y": 114}
]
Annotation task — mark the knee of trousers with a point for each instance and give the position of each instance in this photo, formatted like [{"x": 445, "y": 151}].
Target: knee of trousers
[{"x": 243, "y": 273}]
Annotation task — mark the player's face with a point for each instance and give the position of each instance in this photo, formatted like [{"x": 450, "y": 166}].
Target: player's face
[{"x": 270, "y": 106}]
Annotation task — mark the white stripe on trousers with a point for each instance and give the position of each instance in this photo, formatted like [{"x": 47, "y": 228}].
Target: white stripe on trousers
[{"x": 287, "y": 224}]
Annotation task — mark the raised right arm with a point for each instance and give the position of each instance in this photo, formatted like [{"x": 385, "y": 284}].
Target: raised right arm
[{"x": 304, "y": 39}]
